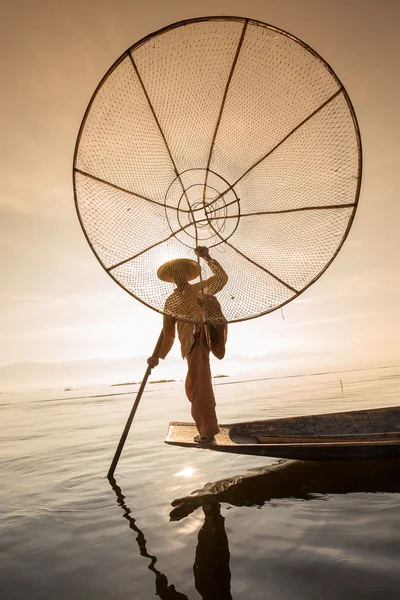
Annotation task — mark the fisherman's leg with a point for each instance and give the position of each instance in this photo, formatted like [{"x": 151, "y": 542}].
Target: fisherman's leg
[
  {"x": 191, "y": 382},
  {"x": 199, "y": 389},
  {"x": 189, "y": 377}
]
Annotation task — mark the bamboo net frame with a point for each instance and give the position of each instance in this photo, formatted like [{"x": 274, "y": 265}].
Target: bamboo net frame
[{"x": 221, "y": 132}]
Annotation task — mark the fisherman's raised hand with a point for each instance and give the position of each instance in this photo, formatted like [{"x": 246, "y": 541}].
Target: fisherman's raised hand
[
  {"x": 202, "y": 252},
  {"x": 152, "y": 361}
]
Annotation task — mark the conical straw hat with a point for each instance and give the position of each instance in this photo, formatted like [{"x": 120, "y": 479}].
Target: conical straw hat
[{"x": 168, "y": 270}]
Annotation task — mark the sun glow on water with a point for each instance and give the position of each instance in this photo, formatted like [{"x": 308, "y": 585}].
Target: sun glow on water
[{"x": 186, "y": 472}]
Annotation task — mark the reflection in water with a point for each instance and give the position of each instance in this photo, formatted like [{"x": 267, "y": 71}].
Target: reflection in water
[
  {"x": 294, "y": 479},
  {"x": 212, "y": 576},
  {"x": 163, "y": 590},
  {"x": 286, "y": 479}
]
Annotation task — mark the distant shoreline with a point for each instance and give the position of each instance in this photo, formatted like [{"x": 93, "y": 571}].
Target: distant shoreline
[
  {"x": 156, "y": 381},
  {"x": 139, "y": 382}
]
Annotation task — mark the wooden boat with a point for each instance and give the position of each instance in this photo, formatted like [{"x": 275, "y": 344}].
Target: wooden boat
[{"x": 358, "y": 434}]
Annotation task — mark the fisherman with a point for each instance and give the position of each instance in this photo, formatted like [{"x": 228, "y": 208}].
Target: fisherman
[{"x": 195, "y": 301}]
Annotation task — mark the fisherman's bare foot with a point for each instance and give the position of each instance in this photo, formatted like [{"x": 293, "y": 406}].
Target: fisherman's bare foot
[{"x": 204, "y": 440}]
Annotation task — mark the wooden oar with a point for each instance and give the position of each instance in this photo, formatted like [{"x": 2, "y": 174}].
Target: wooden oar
[{"x": 133, "y": 411}]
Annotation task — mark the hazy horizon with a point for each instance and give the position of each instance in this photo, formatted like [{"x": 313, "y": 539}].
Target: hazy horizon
[{"x": 34, "y": 376}]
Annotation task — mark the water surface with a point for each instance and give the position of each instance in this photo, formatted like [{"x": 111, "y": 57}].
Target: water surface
[{"x": 283, "y": 531}]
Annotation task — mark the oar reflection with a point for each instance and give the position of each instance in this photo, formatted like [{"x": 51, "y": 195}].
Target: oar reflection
[
  {"x": 212, "y": 576},
  {"x": 164, "y": 590}
]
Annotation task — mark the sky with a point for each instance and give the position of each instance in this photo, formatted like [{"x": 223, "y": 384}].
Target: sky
[{"x": 57, "y": 304}]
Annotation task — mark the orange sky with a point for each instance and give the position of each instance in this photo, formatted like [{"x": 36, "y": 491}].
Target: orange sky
[{"x": 56, "y": 301}]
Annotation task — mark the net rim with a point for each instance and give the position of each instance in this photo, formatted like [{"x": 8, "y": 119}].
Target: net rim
[{"x": 253, "y": 22}]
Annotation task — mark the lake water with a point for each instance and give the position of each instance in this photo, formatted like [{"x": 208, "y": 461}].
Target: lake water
[{"x": 289, "y": 531}]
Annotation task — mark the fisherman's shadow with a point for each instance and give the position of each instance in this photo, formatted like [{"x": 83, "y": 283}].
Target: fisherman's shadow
[{"x": 285, "y": 479}]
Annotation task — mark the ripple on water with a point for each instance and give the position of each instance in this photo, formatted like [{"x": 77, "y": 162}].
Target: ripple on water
[{"x": 361, "y": 574}]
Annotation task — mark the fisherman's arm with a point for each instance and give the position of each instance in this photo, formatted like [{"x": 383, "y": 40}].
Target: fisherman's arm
[
  {"x": 167, "y": 341},
  {"x": 219, "y": 278}
]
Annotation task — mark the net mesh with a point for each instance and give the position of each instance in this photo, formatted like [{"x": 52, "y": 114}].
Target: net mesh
[{"x": 230, "y": 135}]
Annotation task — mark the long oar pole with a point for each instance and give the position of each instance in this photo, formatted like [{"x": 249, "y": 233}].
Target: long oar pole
[{"x": 133, "y": 411}]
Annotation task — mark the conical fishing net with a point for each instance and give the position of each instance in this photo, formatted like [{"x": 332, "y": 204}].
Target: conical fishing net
[{"x": 225, "y": 133}]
